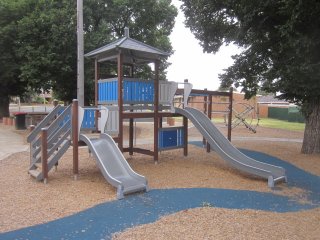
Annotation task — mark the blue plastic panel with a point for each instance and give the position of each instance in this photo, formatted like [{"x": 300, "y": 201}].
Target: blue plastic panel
[
  {"x": 88, "y": 119},
  {"x": 134, "y": 91},
  {"x": 67, "y": 118},
  {"x": 171, "y": 138},
  {"x": 107, "y": 90}
]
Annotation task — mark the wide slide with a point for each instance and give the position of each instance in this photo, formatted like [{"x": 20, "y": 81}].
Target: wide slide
[
  {"x": 228, "y": 152},
  {"x": 114, "y": 166}
]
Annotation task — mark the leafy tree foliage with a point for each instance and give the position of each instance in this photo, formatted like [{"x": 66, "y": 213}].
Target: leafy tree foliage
[
  {"x": 10, "y": 83},
  {"x": 150, "y": 22},
  {"x": 280, "y": 42},
  {"x": 48, "y": 47},
  {"x": 39, "y": 41}
]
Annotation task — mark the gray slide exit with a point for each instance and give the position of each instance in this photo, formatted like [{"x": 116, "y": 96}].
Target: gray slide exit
[
  {"x": 114, "y": 166},
  {"x": 228, "y": 152}
]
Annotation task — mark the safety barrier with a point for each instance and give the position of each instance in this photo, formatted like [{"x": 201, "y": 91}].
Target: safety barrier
[
  {"x": 171, "y": 138},
  {"x": 135, "y": 91},
  {"x": 88, "y": 122}
]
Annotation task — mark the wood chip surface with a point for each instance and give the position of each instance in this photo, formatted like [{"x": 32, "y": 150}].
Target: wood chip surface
[{"x": 25, "y": 202}]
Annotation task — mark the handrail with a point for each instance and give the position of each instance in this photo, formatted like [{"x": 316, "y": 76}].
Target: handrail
[
  {"x": 187, "y": 89},
  {"x": 186, "y": 93},
  {"x": 173, "y": 89},
  {"x": 53, "y": 131},
  {"x": 43, "y": 123},
  {"x": 60, "y": 119}
]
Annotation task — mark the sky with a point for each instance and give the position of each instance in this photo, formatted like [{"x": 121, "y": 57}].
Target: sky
[{"x": 189, "y": 61}]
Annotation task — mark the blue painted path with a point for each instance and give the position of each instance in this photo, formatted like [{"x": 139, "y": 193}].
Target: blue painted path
[{"x": 101, "y": 221}]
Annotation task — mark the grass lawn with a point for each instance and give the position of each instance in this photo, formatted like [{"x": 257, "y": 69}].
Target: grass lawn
[
  {"x": 272, "y": 123},
  {"x": 279, "y": 124},
  {"x": 266, "y": 122}
]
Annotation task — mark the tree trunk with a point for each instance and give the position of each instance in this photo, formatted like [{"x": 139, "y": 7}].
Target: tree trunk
[
  {"x": 4, "y": 106},
  {"x": 311, "y": 140}
]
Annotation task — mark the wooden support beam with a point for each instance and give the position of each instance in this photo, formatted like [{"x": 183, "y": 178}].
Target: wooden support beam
[
  {"x": 96, "y": 90},
  {"x": 209, "y": 116},
  {"x": 203, "y": 92},
  {"x": 131, "y": 136},
  {"x": 230, "y": 113},
  {"x": 75, "y": 138},
  {"x": 131, "y": 127},
  {"x": 96, "y": 78},
  {"x": 156, "y": 111},
  {"x": 205, "y": 104},
  {"x": 120, "y": 100},
  {"x": 128, "y": 115},
  {"x": 140, "y": 150},
  {"x": 116, "y": 139},
  {"x": 185, "y": 129}
]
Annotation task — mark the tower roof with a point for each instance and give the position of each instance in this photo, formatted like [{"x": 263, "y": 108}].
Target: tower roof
[{"x": 133, "y": 51}]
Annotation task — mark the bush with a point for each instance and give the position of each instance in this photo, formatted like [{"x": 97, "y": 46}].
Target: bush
[{"x": 40, "y": 100}]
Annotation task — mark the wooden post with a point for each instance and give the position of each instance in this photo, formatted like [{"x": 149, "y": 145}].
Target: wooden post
[
  {"x": 44, "y": 154},
  {"x": 131, "y": 136},
  {"x": 75, "y": 138},
  {"x": 131, "y": 121},
  {"x": 205, "y": 99},
  {"x": 96, "y": 78},
  {"x": 230, "y": 113},
  {"x": 120, "y": 100},
  {"x": 96, "y": 90},
  {"x": 209, "y": 116},
  {"x": 185, "y": 129},
  {"x": 156, "y": 111}
]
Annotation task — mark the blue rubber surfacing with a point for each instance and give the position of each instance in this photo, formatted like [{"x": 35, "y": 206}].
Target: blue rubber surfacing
[{"x": 101, "y": 221}]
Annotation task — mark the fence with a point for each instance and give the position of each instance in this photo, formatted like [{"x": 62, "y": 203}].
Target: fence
[{"x": 287, "y": 113}]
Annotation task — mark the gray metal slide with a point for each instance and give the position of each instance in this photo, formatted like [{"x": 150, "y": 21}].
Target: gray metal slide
[
  {"x": 114, "y": 166},
  {"x": 228, "y": 152}
]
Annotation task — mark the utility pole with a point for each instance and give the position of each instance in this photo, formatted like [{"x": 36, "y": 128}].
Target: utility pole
[{"x": 80, "y": 71}]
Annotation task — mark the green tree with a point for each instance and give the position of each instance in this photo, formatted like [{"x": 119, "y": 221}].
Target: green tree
[
  {"x": 149, "y": 21},
  {"x": 48, "y": 47},
  {"x": 49, "y": 38},
  {"x": 280, "y": 42},
  {"x": 10, "y": 83},
  {"x": 42, "y": 42}
]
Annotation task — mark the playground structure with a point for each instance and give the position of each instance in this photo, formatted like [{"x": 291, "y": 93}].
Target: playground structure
[
  {"x": 244, "y": 111},
  {"x": 246, "y": 116},
  {"x": 121, "y": 98}
]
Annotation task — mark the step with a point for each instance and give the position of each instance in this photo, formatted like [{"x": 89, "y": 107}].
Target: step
[
  {"x": 36, "y": 174},
  {"x": 36, "y": 166}
]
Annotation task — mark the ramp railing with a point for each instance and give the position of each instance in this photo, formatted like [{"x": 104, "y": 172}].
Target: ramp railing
[{"x": 49, "y": 141}]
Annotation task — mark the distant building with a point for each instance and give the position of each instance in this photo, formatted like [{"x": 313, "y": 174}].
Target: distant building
[
  {"x": 271, "y": 107},
  {"x": 264, "y": 102}
]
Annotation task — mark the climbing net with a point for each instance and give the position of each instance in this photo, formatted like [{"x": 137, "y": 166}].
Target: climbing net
[{"x": 245, "y": 114}]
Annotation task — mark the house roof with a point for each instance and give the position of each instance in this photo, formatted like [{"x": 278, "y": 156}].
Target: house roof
[
  {"x": 270, "y": 99},
  {"x": 133, "y": 51}
]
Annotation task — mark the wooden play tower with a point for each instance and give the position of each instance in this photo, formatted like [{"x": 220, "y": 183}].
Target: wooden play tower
[
  {"x": 120, "y": 97},
  {"x": 135, "y": 98}
]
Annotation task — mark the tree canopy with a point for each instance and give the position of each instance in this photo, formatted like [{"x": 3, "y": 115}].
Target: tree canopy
[
  {"x": 39, "y": 41},
  {"x": 10, "y": 13},
  {"x": 280, "y": 42}
]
